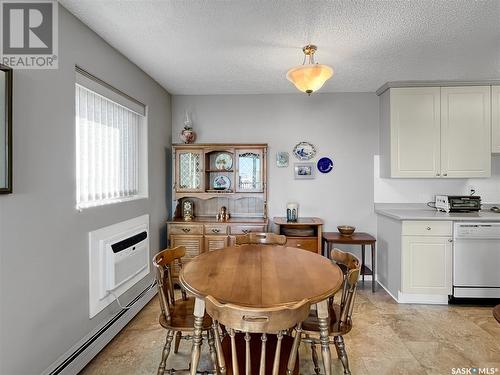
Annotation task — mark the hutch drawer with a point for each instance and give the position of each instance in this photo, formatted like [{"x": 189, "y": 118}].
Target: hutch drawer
[
  {"x": 214, "y": 229},
  {"x": 185, "y": 229},
  {"x": 244, "y": 229}
]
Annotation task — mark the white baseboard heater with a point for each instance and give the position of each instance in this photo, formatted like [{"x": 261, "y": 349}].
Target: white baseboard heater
[{"x": 75, "y": 359}]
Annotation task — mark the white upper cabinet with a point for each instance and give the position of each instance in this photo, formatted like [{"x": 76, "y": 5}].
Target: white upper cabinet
[
  {"x": 436, "y": 132},
  {"x": 415, "y": 132},
  {"x": 495, "y": 119},
  {"x": 466, "y": 131}
]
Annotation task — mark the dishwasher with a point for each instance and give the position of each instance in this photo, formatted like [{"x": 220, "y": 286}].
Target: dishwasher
[{"x": 476, "y": 260}]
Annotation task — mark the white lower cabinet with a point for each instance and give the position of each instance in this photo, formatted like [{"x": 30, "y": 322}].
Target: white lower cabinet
[
  {"x": 426, "y": 265},
  {"x": 426, "y": 261}
]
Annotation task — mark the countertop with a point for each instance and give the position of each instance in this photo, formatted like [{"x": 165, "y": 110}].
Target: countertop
[{"x": 422, "y": 212}]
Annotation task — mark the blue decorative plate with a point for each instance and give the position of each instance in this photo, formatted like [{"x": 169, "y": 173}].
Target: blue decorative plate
[{"x": 325, "y": 165}]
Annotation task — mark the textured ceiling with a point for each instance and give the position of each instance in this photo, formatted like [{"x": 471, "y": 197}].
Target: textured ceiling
[{"x": 239, "y": 47}]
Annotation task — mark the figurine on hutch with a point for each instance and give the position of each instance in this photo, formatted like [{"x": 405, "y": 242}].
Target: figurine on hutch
[
  {"x": 187, "y": 134},
  {"x": 222, "y": 215}
]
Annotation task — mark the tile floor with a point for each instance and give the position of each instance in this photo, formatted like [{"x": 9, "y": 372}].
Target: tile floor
[{"x": 387, "y": 338}]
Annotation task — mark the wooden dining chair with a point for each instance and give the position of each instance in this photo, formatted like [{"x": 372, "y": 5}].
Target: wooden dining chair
[
  {"x": 260, "y": 239},
  {"x": 340, "y": 314},
  {"x": 247, "y": 327},
  {"x": 177, "y": 314}
]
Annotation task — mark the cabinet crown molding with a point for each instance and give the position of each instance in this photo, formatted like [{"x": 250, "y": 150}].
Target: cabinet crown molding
[{"x": 398, "y": 84}]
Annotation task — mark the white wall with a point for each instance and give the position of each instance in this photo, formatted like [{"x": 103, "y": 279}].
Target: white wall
[
  {"x": 394, "y": 190},
  {"x": 342, "y": 126},
  {"x": 43, "y": 239}
]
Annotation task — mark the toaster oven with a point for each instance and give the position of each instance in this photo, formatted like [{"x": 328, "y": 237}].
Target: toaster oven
[{"x": 457, "y": 203}]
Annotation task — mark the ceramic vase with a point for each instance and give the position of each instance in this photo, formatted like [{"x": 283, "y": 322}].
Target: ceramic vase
[{"x": 188, "y": 135}]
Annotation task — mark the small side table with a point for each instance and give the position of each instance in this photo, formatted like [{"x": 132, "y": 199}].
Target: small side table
[{"x": 358, "y": 238}]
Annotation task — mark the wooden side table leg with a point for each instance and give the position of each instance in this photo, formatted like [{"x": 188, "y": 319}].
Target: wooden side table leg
[
  {"x": 373, "y": 268},
  {"x": 363, "y": 263},
  {"x": 322, "y": 308},
  {"x": 199, "y": 312}
]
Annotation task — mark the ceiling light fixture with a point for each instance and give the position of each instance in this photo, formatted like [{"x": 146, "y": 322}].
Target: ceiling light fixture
[{"x": 309, "y": 77}]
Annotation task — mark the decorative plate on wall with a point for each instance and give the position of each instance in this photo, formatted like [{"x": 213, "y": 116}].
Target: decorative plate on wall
[
  {"x": 304, "y": 151},
  {"x": 223, "y": 162},
  {"x": 325, "y": 165},
  {"x": 222, "y": 183}
]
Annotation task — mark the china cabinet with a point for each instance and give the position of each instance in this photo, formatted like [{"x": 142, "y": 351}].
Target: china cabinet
[
  {"x": 212, "y": 176},
  {"x": 435, "y": 132}
]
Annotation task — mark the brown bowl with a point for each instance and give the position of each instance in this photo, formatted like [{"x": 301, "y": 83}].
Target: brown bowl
[{"x": 346, "y": 230}]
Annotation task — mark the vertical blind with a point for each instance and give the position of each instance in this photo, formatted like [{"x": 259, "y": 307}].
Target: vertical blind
[{"x": 107, "y": 149}]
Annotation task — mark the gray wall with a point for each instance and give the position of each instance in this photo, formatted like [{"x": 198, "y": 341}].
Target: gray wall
[
  {"x": 43, "y": 239},
  {"x": 342, "y": 126}
]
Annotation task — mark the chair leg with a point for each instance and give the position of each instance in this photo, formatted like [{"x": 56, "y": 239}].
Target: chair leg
[
  {"x": 178, "y": 336},
  {"x": 317, "y": 369},
  {"x": 340, "y": 346},
  {"x": 211, "y": 346},
  {"x": 295, "y": 349},
  {"x": 165, "y": 352}
]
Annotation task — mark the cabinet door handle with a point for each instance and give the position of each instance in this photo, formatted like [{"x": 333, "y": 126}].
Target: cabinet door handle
[
  {"x": 445, "y": 174},
  {"x": 215, "y": 230},
  {"x": 438, "y": 174},
  {"x": 428, "y": 228},
  {"x": 186, "y": 230},
  {"x": 246, "y": 231},
  {"x": 450, "y": 240}
]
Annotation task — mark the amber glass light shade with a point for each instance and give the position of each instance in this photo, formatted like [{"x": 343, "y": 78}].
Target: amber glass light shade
[{"x": 309, "y": 78}]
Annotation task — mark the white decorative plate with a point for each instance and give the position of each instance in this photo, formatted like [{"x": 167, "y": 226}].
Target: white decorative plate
[
  {"x": 304, "y": 151},
  {"x": 222, "y": 183},
  {"x": 223, "y": 162}
]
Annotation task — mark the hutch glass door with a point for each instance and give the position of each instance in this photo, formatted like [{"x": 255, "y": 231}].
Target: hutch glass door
[
  {"x": 189, "y": 170},
  {"x": 249, "y": 171}
]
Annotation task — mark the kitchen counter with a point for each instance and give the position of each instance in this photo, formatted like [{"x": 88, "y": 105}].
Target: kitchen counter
[{"x": 422, "y": 212}]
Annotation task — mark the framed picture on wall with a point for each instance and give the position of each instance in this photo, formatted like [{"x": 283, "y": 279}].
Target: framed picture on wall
[
  {"x": 5, "y": 129},
  {"x": 282, "y": 159},
  {"x": 304, "y": 171}
]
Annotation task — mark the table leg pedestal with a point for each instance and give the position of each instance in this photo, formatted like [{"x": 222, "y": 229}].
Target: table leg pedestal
[
  {"x": 322, "y": 308},
  {"x": 199, "y": 312}
]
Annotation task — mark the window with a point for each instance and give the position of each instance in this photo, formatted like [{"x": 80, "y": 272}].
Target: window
[{"x": 110, "y": 144}]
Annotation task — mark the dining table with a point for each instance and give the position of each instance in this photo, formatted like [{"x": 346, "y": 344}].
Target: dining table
[{"x": 261, "y": 276}]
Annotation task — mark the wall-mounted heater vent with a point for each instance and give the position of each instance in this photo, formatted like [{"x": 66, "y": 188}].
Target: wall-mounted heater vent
[{"x": 119, "y": 258}]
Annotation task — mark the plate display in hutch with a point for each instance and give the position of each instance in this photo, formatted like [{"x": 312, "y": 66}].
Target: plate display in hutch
[{"x": 215, "y": 175}]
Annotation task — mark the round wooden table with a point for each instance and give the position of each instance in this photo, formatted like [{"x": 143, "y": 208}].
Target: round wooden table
[
  {"x": 261, "y": 276},
  {"x": 496, "y": 313}
]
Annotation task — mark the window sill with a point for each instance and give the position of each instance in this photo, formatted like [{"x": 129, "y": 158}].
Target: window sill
[{"x": 108, "y": 202}]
